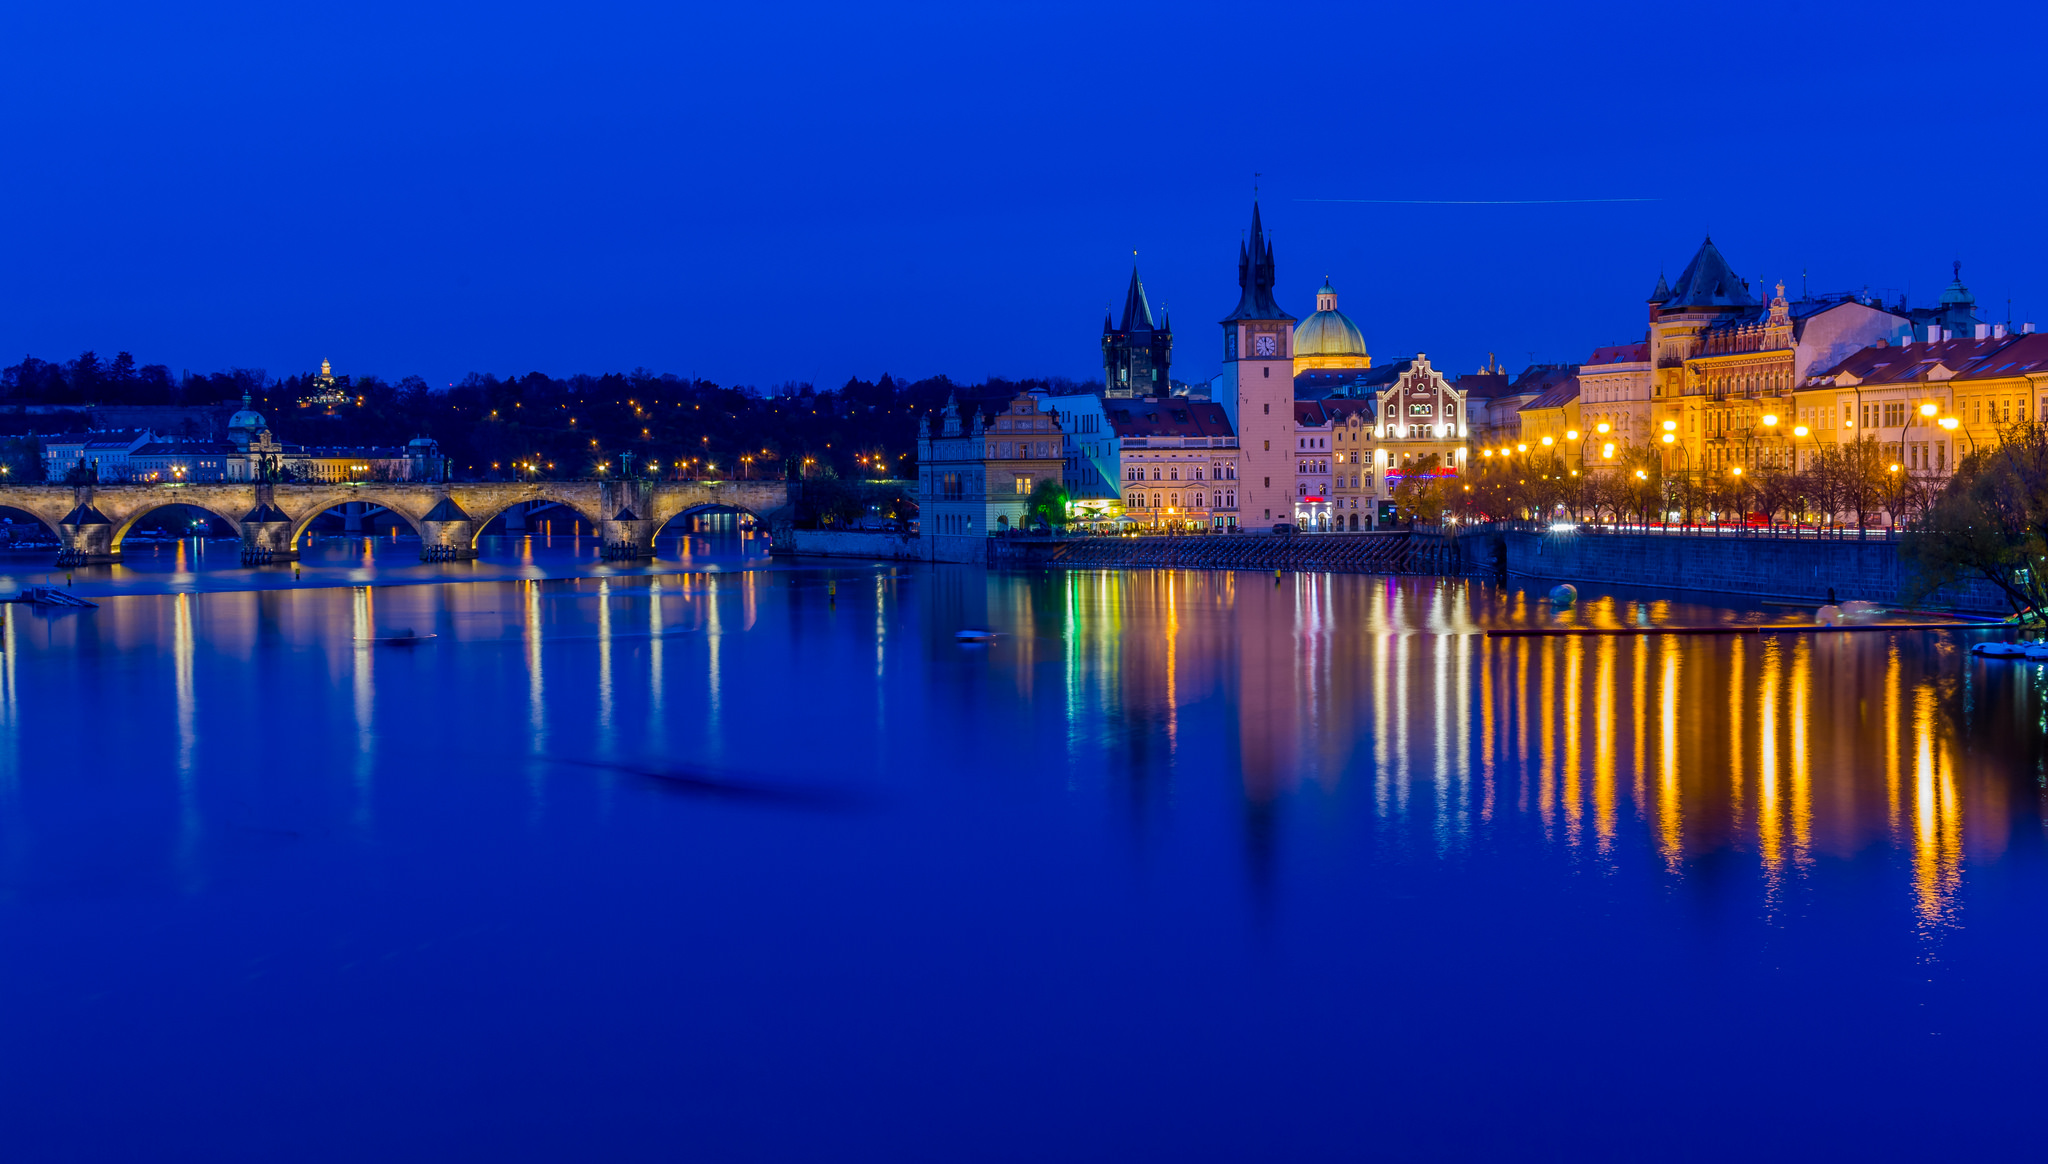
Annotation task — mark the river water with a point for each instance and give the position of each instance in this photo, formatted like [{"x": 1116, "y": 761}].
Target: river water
[{"x": 717, "y": 858}]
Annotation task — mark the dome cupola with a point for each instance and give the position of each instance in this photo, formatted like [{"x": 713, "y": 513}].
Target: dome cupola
[{"x": 1328, "y": 338}]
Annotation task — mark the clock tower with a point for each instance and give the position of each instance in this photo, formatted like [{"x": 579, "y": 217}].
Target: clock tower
[{"x": 1258, "y": 394}]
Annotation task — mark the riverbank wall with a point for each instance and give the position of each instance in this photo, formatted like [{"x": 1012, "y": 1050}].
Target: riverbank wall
[
  {"x": 828, "y": 543},
  {"x": 1753, "y": 567}
]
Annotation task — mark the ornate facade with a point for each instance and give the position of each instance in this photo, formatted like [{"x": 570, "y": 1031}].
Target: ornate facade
[{"x": 976, "y": 473}]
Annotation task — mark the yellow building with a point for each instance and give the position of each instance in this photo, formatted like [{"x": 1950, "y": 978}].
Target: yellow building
[
  {"x": 1550, "y": 425},
  {"x": 1723, "y": 366},
  {"x": 1928, "y": 404}
]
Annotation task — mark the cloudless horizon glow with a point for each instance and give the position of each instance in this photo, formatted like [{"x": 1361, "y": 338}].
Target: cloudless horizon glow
[{"x": 811, "y": 192}]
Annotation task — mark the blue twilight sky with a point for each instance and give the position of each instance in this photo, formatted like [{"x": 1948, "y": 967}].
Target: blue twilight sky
[{"x": 758, "y": 193}]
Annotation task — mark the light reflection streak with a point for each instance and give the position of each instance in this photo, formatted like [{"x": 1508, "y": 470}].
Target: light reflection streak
[
  {"x": 1769, "y": 825},
  {"x": 1669, "y": 830},
  {"x": 657, "y": 727},
  {"x": 1603, "y": 753},
  {"x": 1572, "y": 791},
  {"x": 183, "y": 646},
  {"x": 1797, "y": 718},
  {"x": 363, "y": 625},
  {"x": 604, "y": 667},
  {"x": 10, "y": 709},
  {"x": 1640, "y": 733},
  {"x": 1937, "y": 821},
  {"x": 1488, "y": 660}
]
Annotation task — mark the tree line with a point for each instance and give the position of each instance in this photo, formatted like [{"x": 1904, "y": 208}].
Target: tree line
[
  {"x": 1854, "y": 484},
  {"x": 535, "y": 425}
]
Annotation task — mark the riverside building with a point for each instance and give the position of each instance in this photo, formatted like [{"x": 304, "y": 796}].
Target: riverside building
[{"x": 976, "y": 472}]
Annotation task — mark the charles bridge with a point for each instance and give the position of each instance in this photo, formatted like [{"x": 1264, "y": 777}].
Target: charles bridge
[{"x": 91, "y": 521}]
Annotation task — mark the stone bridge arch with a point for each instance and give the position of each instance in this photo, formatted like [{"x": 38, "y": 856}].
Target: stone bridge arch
[
  {"x": 319, "y": 506},
  {"x": 584, "y": 503},
  {"x": 48, "y": 520},
  {"x": 209, "y": 506}
]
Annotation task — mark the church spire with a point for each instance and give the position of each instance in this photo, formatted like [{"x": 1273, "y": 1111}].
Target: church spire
[
  {"x": 1255, "y": 276},
  {"x": 1137, "y": 311}
]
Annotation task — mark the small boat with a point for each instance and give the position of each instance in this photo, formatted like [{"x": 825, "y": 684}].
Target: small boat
[
  {"x": 2037, "y": 652},
  {"x": 2000, "y": 650},
  {"x": 974, "y": 634},
  {"x": 404, "y": 638}
]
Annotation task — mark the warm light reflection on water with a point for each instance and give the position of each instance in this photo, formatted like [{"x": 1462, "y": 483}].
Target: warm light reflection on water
[{"x": 1224, "y": 816}]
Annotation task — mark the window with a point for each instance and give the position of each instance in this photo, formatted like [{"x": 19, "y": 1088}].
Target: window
[
  {"x": 1137, "y": 500},
  {"x": 1023, "y": 484},
  {"x": 1230, "y": 500},
  {"x": 1196, "y": 501},
  {"x": 1198, "y": 472},
  {"x": 1173, "y": 472},
  {"x": 1155, "y": 501}
]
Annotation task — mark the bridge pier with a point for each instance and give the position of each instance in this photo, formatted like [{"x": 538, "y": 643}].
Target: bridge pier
[
  {"x": 87, "y": 534},
  {"x": 447, "y": 534},
  {"x": 352, "y": 516},
  {"x": 267, "y": 533},
  {"x": 627, "y": 536}
]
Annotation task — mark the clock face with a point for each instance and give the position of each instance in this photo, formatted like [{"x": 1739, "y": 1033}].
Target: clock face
[{"x": 1266, "y": 345}]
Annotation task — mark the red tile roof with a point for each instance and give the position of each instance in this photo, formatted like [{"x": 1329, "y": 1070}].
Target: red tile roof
[
  {"x": 1174, "y": 416},
  {"x": 1317, "y": 413},
  {"x": 1964, "y": 359},
  {"x": 1620, "y": 354}
]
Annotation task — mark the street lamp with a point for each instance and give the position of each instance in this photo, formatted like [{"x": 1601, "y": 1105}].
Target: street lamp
[{"x": 1948, "y": 422}]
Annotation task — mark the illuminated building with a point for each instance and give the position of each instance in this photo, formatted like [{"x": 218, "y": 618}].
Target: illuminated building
[
  {"x": 1419, "y": 415},
  {"x": 1550, "y": 421},
  {"x": 328, "y": 389},
  {"x": 1335, "y": 484},
  {"x": 1136, "y": 355},
  {"x": 1722, "y": 362},
  {"x": 1926, "y": 404},
  {"x": 1327, "y": 340},
  {"x": 1178, "y": 463},
  {"x": 1258, "y": 389},
  {"x": 1614, "y": 404}
]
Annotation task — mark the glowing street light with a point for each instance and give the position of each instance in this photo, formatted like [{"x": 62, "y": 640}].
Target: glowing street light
[{"x": 1670, "y": 426}]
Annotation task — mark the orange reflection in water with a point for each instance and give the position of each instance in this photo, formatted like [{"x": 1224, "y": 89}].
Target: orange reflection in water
[{"x": 1790, "y": 750}]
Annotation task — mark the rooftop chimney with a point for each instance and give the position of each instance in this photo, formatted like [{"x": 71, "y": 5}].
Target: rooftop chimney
[{"x": 1983, "y": 331}]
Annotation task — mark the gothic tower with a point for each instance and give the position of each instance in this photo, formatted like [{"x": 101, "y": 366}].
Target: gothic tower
[
  {"x": 1136, "y": 356},
  {"x": 1258, "y": 394}
]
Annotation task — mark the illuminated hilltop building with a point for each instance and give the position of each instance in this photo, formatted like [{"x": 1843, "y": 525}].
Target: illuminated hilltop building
[{"x": 329, "y": 390}]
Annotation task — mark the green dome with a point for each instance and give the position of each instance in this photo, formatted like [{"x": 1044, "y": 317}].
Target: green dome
[{"x": 1328, "y": 332}]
